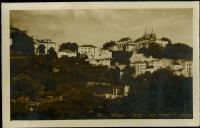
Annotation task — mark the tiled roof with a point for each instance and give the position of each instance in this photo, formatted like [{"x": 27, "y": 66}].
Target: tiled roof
[{"x": 88, "y": 45}]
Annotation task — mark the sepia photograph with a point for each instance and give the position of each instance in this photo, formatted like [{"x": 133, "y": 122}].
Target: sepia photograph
[{"x": 101, "y": 63}]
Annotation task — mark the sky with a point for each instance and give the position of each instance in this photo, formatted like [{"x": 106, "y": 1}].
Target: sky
[{"x": 99, "y": 26}]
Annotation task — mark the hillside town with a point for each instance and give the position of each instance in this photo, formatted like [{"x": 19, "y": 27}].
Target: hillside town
[
  {"x": 98, "y": 56},
  {"x": 45, "y": 75}
]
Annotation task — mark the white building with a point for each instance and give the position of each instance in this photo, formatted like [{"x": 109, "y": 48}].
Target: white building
[
  {"x": 157, "y": 64},
  {"x": 161, "y": 42},
  {"x": 67, "y": 53},
  {"x": 140, "y": 68},
  {"x": 126, "y": 90},
  {"x": 47, "y": 43},
  {"x": 105, "y": 62},
  {"x": 102, "y": 54},
  {"x": 102, "y": 62},
  {"x": 176, "y": 66},
  {"x": 140, "y": 57},
  {"x": 187, "y": 69},
  {"x": 88, "y": 50},
  {"x": 122, "y": 43},
  {"x": 118, "y": 93},
  {"x": 151, "y": 69},
  {"x": 167, "y": 63},
  {"x": 113, "y": 48},
  {"x": 96, "y": 56},
  {"x": 93, "y": 62},
  {"x": 182, "y": 68}
]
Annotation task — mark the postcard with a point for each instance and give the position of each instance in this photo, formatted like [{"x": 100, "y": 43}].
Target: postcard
[{"x": 100, "y": 64}]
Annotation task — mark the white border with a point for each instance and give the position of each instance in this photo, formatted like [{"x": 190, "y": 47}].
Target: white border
[{"x": 100, "y": 123}]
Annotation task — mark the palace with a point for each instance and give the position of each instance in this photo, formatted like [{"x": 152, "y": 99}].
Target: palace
[{"x": 145, "y": 41}]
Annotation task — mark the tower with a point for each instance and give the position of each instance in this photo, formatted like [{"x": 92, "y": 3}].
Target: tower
[{"x": 145, "y": 33}]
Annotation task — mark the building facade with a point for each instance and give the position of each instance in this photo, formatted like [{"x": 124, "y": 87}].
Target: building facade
[
  {"x": 67, "y": 53},
  {"x": 145, "y": 41},
  {"x": 140, "y": 68},
  {"x": 187, "y": 69},
  {"x": 122, "y": 43},
  {"x": 88, "y": 50},
  {"x": 45, "y": 43}
]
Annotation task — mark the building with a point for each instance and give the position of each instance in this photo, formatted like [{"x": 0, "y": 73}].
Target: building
[
  {"x": 182, "y": 68},
  {"x": 105, "y": 62},
  {"x": 93, "y": 62},
  {"x": 126, "y": 90},
  {"x": 187, "y": 69},
  {"x": 102, "y": 54},
  {"x": 167, "y": 63},
  {"x": 122, "y": 43},
  {"x": 157, "y": 64},
  {"x": 113, "y": 48},
  {"x": 67, "y": 53},
  {"x": 140, "y": 57},
  {"x": 46, "y": 44},
  {"x": 151, "y": 69},
  {"x": 102, "y": 62},
  {"x": 145, "y": 41},
  {"x": 114, "y": 92},
  {"x": 88, "y": 50},
  {"x": 97, "y": 56},
  {"x": 161, "y": 42},
  {"x": 140, "y": 68}
]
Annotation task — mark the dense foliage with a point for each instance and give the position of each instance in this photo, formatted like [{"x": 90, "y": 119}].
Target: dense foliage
[
  {"x": 171, "y": 51},
  {"x": 69, "y": 46},
  {"x": 46, "y": 79},
  {"x": 33, "y": 78},
  {"x": 157, "y": 93},
  {"x": 22, "y": 43},
  {"x": 109, "y": 44},
  {"x": 121, "y": 56}
]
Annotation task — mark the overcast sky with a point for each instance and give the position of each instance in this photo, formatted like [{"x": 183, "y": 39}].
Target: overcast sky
[{"x": 99, "y": 26}]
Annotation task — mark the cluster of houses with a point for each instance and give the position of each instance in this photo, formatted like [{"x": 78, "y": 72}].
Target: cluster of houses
[
  {"x": 143, "y": 64},
  {"x": 106, "y": 91},
  {"x": 115, "y": 92},
  {"x": 99, "y": 56}
]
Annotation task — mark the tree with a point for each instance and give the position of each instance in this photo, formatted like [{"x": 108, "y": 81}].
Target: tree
[
  {"x": 178, "y": 51},
  {"x": 121, "y": 56},
  {"x": 51, "y": 56},
  {"x": 52, "y": 53},
  {"x": 116, "y": 75},
  {"x": 127, "y": 75},
  {"x": 109, "y": 44},
  {"x": 22, "y": 43},
  {"x": 171, "y": 51},
  {"x": 41, "y": 49},
  {"x": 25, "y": 85},
  {"x": 166, "y": 39},
  {"x": 69, "y": 46}
]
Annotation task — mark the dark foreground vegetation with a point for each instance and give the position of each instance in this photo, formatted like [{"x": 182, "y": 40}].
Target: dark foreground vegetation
[
  {"x": 35, "y": 80},
  {"x": 46, "y": 87}
]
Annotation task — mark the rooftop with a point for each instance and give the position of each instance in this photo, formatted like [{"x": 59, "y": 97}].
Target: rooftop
[
  {"x": 125, "y": 39},
  {"x": 88, "y": 45},
  {"x": 67, "y": 51}
]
